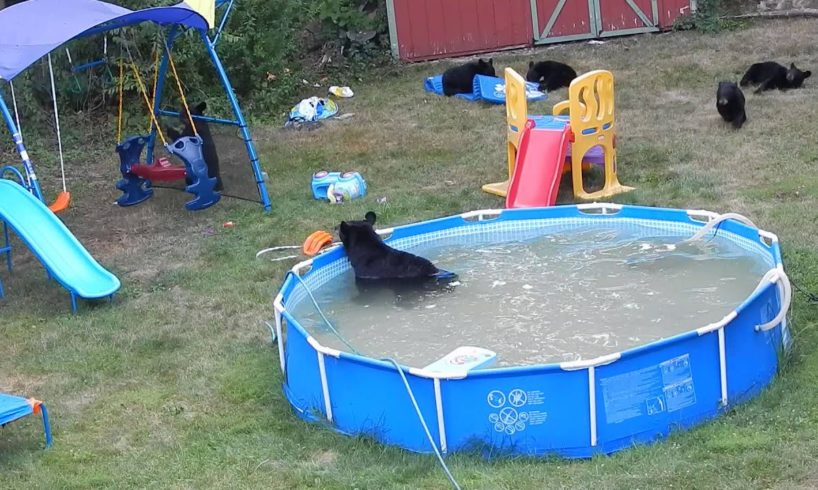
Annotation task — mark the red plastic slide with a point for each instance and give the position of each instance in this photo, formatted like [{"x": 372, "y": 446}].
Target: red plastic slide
[{"x": 538, "y": 170}]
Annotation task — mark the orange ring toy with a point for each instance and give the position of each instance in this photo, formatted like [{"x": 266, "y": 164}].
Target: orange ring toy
[{"x": 315, "y": 242}]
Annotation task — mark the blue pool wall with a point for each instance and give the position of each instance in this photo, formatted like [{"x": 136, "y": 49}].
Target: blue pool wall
[{"x": 574, "y": 410}]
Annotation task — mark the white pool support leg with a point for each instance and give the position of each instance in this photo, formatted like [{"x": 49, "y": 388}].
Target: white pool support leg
[
  {"x": 723, "y": 366},
  {"x": 592, "y": 403},
  {"x": 441, "y": 426},
  {"x": 279, "y": 309},
  {"x": 324, "y": 385}
]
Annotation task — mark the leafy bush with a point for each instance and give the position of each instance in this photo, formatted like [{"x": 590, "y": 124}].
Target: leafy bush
[
  {"x": 268, "y": 48},
  {"x": 708, "y": 17}
]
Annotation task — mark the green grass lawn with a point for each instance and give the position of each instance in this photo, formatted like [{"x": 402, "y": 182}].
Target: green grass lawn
[{"x": 177, "y": 385}]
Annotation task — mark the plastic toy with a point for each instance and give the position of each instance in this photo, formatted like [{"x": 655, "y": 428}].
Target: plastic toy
[
  {"x": 485, "y": 88},
  {"x": 595, "y": 130},
  {"x": 337, "y": 187},
  {"x": 316, "y": 242},
  {"x": 62, "y": 255},
  {"x": 14, "y": 408},
  {"x": 32, "y": 30},
  {"x": 541, "y": 153},
  {"x": 591, "y": 116}
]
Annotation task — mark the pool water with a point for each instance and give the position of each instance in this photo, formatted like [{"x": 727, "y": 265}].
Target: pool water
[{"x": 562, "y": 296}]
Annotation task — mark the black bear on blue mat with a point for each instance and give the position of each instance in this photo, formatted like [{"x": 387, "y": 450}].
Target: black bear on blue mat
[
  {"x": 730, "y": 103},
  {"x": 551, "y": 75},
  {"x": 770, "y": 75},
  {"x": 211, "y": 157},
  {"x": 374, "y": 261},
  {"x": 460, "y": 79}
]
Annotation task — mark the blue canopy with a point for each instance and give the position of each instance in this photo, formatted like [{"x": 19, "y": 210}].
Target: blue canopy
[{"x": 32, "y": 29}]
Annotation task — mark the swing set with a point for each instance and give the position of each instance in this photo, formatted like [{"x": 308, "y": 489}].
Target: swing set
[{"x": 66, "y": 20}]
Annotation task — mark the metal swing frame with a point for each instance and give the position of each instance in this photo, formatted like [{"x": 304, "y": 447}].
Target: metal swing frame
[{"x": 32, "y": 183}]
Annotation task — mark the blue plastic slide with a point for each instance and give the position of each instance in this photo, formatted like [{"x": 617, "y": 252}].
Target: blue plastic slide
[{"x": 62, "y": 255}]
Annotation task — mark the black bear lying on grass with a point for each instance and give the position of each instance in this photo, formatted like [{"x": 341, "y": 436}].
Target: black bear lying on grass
[
  {"x": 770, "y": 75},
  {"x": 551, "y": 75},
  {"x": 460, "y": 79},
  {"x": 374, "y": 261},
  {"x": 209, "y": 153},
  {"x": 730, "y": 103}
]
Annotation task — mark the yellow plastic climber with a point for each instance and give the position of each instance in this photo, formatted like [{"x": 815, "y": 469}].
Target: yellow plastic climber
[
  {"x": 516, "y": 117},
  {"x": 590, "y": 108}
]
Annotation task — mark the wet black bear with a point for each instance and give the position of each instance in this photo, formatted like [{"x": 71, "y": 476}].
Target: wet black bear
[
  {"x": 375, "y": 262},
  {"x": 460, "y": 79},
  {"x": 208, "y": 145},
  {"x": 730, "y": 104},
  {"x": 770, "y": 75},
  {"x": 551, "y": 75}
]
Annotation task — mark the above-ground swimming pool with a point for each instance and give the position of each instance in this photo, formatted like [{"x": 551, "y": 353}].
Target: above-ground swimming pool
[{"x": 609, "y": 328}]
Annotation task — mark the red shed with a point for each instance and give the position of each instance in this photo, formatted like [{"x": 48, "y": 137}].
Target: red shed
[{"x": 429, "y": 29}]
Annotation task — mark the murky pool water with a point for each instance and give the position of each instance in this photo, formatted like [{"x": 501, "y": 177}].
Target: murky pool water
[{"x": 558, "y": 297}]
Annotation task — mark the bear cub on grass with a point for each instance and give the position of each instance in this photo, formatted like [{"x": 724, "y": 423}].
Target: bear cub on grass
[
  {"x": 551, "y": 75},
  {"x": 770, "y": 75},
  {"x": 730, "y": 103},
  {"x": 209, "y": 153},
  {"x": 374, "y": 260},
  {"x": 460, "y": 79}
]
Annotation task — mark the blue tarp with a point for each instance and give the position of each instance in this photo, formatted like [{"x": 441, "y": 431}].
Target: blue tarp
[
  {"x": 32, "y": 29},
  {"x": 487, "y": 89}
]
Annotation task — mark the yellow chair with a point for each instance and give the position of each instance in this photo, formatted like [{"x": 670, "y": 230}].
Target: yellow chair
[
  {"x": 591, "y": 112},
  {"x": 516, "y": 117}
]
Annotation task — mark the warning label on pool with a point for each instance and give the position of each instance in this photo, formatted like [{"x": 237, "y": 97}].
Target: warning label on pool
[
  {"x": 512, "y": 413},
  {"x": 664, "y": 387}
]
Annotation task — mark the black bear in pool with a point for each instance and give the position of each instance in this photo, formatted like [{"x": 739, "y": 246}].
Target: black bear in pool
[
  {"x": 460, "y": 79},
  {"x": 209, "y": 153},
  {"x": 770, "y": 75},
  {"x": 377, "y": 265}
]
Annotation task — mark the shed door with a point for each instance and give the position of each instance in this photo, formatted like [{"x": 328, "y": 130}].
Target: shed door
[
  {"x": 563, "y": 20},
  {"x": 621, "y": 17}
]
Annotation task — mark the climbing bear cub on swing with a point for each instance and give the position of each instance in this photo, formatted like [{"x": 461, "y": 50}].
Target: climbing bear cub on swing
[
  {"x": 374, "y": 260},
  {"x": 209, "y": 153},
  {"x": 460, "y": 79}
]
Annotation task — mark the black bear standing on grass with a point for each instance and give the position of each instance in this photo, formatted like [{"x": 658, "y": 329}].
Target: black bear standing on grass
[
  {"x": 770, "y": 75},
  {"x": 460, "y": 79},
  {"x": 730, "y": 103},
  {"x": 551, "y": 75},
  {"x": 208, "y": 145},
  {"x": 374, "y": 260}
]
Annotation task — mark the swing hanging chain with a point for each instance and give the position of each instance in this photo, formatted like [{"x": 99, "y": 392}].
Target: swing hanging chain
[
  {"x": 181, "y": 92},
  {"x": 57, "y": 121},
  {"x": 144, "y": 93},
  {"x": 155, "y": 83}
]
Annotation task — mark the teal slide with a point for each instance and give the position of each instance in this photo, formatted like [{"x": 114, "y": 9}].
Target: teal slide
[{"x": 62, "y": 255}]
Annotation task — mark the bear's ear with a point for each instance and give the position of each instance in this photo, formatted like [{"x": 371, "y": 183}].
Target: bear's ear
[
  {"x": 807, "y": 74},
  {"x": 792, "y": 66},
  {"x": 491, "y": 61},
  {"x": 200, "y": 109},
  {"x": 370, "y": 218},
  {"x": 530, "y": 65},
  {"x": 343, "y": 228}
]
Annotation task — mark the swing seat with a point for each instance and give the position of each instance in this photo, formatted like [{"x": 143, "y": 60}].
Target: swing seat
[
  {"x": 61, "y": 203},
  {"x": 161, "y": 171}
]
